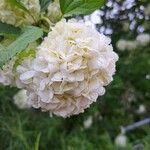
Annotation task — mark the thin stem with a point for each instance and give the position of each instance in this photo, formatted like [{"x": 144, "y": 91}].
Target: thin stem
[
  {"x": 135, "y": 125},
  {"x": 46, "y": 20}
]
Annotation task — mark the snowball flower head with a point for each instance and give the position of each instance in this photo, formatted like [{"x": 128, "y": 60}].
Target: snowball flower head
[
  {"x": 20, "y": 100},
  {"x": 88, "y": 122},
  {"x": 143, "y": 39},
  {"x": 127, "y": 45},
  {"x": 141, "y": 109},
  {"x": 16, "y": 16},
  {"x": 131, "y": 45},
  {"x": 121, "y": 140},
  {"x": 54, "y": 12},
  {"x": 72, "y": 67},
  {"x": 6, "y": 74},
  {"x": 122, "y": 44},
  {"x": 147, "y": 10}
]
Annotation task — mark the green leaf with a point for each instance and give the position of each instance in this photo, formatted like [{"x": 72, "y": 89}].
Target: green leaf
[
  {"x": 18, "y": 4},
  {"x": 8, "y": 29},
  {"x": 1, "y": 47},
  {"x": 29, "y": 35},
  {"x": 44, "y": 4},
  {"x": 78, "y": 7},
  {"x": 1, "y": 37}
]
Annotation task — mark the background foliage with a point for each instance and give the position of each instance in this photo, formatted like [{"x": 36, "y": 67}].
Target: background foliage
[{"x": 31, "y": 129}]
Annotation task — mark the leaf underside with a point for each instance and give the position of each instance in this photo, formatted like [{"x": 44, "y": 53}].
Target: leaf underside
[{"x": 29, "y": 35}]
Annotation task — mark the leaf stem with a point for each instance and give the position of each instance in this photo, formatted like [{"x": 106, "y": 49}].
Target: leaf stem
[{"x": 46, "y": 20}]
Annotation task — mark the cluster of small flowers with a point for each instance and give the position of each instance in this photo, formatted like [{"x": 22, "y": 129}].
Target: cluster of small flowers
[
  {"x": 147, "y": 10},
  {"x": 54, "y": 12},
  {"x": 69, "y": 71},
  {"x": 15, "y": 16},
  {"x": 20, "y": 100},
  {"x": 121, "y": 141},
  {"x": 141, "y": 40}
]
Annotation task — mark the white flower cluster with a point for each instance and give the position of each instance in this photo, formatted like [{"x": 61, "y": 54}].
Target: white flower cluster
[
  {"x": 127, "y": 45},
  {"x": 88, "y": 122},
  {"x": 71, "y": 68},
  {"x": 15, "y": 16},
  {"x": 6, "y": 74},
  {"x": 21, "y": 100},
  {"x": 54, "y": 12},
  {"x": 141, "y": 40},
  {"x": 121, "y": 141},
  {"x": 147, "y": 10}
]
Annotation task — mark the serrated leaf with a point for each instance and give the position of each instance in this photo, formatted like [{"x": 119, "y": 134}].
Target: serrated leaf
[
  {"x": 18, "y": 4},
  {"x": 44, "y": 4},
  {"x": 8, "y": 29},
  {"x": 29, "y": 35},
  {"x": 78, "y": 7}
]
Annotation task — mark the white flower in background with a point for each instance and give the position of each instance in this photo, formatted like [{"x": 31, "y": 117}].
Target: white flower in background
[
  {"x": 15, "y": 16},
  {"x": 121, "y": 140},
  {"x": 125, "y": 26},
  {"x": 131, "y": 45},
  {"x": 147, "y": 77},
  {"x": 20, "y": 100},
  {"x": 126, "y": 45},
  {"x": 54, "y": 12},
  {"x": 32, "y": 5},
  {"x": 88, "y": 122},
  {"x": 141, "y": 109},
  {"x": 72, "y": 67},
  {"x": 6, "y": 74},
  {"x": 147, "y": 10},
  {"x": 122, "y": 44},
  {"x": 143, "y": 39}
]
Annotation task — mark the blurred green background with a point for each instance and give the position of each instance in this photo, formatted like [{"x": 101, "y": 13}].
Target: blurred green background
[{"x": 99, "y": 126}]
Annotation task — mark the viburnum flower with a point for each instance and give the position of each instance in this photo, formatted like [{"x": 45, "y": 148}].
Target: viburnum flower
[
  {"x": 88, "y": 122},
  {"x": 122, "y": 44},
  {"x": 143, "y": 39},
  {"x": 54, "y": 12},
  {"x": 71, "y": 69},
  {"x": 6, "y": 74},
  {"x": 20, "y": 100},
  {"x": 121, "y": 140},
  {"x": 13, "y": 15},
  {"x": 127, "y": 45}
]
